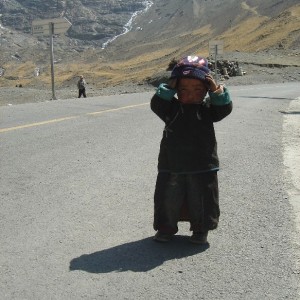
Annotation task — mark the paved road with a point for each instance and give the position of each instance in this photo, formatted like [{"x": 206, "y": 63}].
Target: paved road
[{"x": 77, "y": 182}]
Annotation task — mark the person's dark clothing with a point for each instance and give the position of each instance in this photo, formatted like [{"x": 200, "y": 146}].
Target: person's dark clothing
[
  {"x": 186, "y": 197},
  {"x": 81, "y": 88},
  {"x": 188, "y": 144},
  {"x": 81, "y": 92},
  {"x": 188, "y": 162}
]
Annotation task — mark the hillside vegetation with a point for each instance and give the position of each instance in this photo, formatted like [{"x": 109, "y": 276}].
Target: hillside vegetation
[{"x": 169, "y": 29}]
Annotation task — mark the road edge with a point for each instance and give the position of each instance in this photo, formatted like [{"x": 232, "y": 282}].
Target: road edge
[{"x": 291, "y": 157}]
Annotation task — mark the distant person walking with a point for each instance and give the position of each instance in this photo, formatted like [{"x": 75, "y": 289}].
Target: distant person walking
[{"x": 81, "y": 84}]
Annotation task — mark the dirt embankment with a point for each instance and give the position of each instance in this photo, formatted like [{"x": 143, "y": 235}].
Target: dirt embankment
[{"x": 260, "y": 67}]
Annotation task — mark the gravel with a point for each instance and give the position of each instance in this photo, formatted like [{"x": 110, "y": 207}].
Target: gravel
[{"x": 258, "y": 68}]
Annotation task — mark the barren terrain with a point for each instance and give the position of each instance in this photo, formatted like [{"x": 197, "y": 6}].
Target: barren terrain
[
  {"x": 263, "y": 37},
  {"x": 260, "y": 67}
]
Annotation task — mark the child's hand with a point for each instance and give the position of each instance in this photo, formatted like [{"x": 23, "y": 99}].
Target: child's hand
[
  {"x": 212, "y": 86},
  {"x": 172, "y": 83}
]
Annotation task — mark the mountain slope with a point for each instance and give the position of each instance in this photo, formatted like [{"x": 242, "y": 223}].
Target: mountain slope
[
  {"x": 93, "y": 20},
  {"x": 180, "y": 23},
  {"x": 168, "y": 29}
]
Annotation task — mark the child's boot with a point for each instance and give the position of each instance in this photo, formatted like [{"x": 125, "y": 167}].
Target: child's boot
[
  {"x": 199, "y": 238},
  {"x": 162, "y": 237}
]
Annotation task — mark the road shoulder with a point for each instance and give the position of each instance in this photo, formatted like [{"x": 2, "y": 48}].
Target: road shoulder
[{"x": 291, "y": 145}]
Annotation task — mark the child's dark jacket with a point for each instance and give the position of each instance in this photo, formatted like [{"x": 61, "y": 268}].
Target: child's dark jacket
[{"x": 189, "y": 144}]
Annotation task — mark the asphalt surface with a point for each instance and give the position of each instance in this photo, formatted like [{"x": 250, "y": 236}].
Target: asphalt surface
[{"x": 77, "y": 183}]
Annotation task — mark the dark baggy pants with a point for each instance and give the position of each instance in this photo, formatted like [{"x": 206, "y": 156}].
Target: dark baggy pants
[
  {"x": 81, "y": 93},
  {"x": 198, "y": 192}
]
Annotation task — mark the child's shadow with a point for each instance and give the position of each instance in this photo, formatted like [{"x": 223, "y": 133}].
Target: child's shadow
[{"x": 138, "y": 256}]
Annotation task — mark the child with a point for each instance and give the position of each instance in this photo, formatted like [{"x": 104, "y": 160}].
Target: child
[{"x": 187, "y": 184}]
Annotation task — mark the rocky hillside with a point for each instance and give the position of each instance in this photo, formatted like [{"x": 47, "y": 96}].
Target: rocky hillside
[
  {"x": 161, "y": 31},
  {"x": 94, "y": 20},
  {"x": 243, "y": 25}
]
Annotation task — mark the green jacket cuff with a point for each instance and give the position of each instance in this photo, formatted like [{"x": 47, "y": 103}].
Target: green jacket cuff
[
  {"x": 164, "y": 92},
  {"x": 220, "y": 99}
]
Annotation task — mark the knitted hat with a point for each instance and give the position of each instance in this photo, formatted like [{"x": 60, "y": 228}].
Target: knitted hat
[{"x": 191, "y": 67}]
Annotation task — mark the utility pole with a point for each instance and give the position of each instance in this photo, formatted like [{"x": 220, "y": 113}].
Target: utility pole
[
  {"x": 216, "y": 48},
  {"x": 50, "y": 27},
  {"x": 51, "y": 31},
  {"x": 216, "y": 63}
]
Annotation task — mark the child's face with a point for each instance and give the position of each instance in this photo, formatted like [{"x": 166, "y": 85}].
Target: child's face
[{"x": 190, "y": 90}]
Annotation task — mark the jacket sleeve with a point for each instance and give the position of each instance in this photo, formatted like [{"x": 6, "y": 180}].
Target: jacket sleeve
[
  {"x": 220, "y": 105},
  {"x": 161, "y": 107}
]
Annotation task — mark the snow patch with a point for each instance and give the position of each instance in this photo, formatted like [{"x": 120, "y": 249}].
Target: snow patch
[{"x": 128, "y": 25}]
